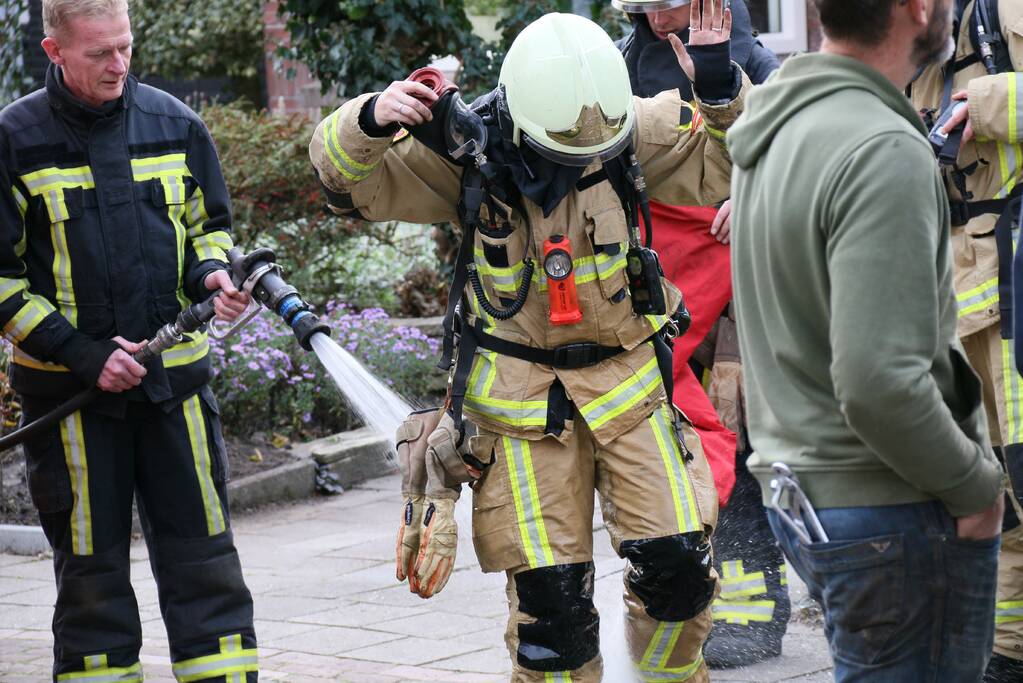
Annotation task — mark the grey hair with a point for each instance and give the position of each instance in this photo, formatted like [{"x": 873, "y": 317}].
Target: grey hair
[{"x": 57, "y": 13}]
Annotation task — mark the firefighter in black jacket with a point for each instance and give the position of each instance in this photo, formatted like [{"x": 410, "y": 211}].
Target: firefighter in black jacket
[{"x": 114, "y": 215}]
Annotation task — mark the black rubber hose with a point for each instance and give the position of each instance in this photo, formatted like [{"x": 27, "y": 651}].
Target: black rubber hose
[
  {"x": 75, "y": 403},
  {"x": 520, "y": 298}
]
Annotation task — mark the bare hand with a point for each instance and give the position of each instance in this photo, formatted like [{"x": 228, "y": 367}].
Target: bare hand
[
  {"x": 708, "y": 27},
  {"x": 962, "y": 115},
  {"x": 230, "y": 303},
  {"x": 982, "y": 525},
  {"x": 721, "y": 228},
  {"x": 121, "y": 372},
  {"x": 404, "y": 102}
]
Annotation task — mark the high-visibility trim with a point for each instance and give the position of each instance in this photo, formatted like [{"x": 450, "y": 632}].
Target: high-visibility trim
[
  {"x": 687, "y": 514},
  {"x": 164, "y": 167},
  {"x": 73, "y": 440},
  {"x": 349, "y": 167},
  {"x": 504, "y": 278},
  {"x": 662, "y": 644},
  {"x": 609, "y": 264},
  {"x": 979, "y": 298},
  {"x": 489, "y": 324},
  {"x": 736, "y": 583},
  {"x": 1008, "y": 611},
  {"x": 203, "y": 468},
  {"x": 603, "y": 409},
  {"x": 532, "y": 530},
  {"x": 28, "y": 317},
  {"x": 55, "y": 179},
  {"x": 671, "y": 675},
  {"x": 557, "y": 677},
  {"x": 232, "y": 662},
  {"x": 714, "y": 132},
  {"x": 212, "y": 245},
  {"x": 63, "y": 284},
  {"x": 1012, "y": 384},
  {"x": 196, "y": 211},
  {"x": 484, "y": 372},
  {"x": 1009, "y": 165},
  {"x": 98, "y": 671},
  {"x": 783, "y": 572},
  {"x": 10, "y": 286},
  {"x": 513, "y": 413},
  {"x": 22, "y": 358},
  {"x": 743, "y": 611},
  {"x": 187, "y": 352},
  {"x": 22, "y": 204}
]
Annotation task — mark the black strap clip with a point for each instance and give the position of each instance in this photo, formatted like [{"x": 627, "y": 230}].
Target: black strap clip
[
  {"x": 960, "y": 211},
  {"x": 581, "y": 355}
]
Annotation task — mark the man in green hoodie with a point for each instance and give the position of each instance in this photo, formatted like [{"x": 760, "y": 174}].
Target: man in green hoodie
[{"x": 854, "y": 376}]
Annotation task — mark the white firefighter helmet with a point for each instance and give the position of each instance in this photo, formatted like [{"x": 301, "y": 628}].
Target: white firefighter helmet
[
  {"x": 567, "y": 90},
  {"x": 640, "y": 6}
]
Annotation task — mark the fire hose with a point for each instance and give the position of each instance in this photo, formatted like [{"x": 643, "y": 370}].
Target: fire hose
[{"x": 255, "y": 273}]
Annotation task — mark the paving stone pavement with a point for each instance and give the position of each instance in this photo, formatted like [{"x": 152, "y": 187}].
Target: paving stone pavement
[{"x": 329, "y": 609}]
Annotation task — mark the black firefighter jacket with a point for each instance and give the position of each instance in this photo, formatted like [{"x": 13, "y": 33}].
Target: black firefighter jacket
[{"x": 110, "y": 219}]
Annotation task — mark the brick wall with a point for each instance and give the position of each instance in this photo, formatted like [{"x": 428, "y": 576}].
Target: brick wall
[{"x": 299, "y": 95}]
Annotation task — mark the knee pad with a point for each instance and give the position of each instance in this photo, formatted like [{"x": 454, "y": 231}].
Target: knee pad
[
  {"x": 96, "y": 610},
  {"x": 202, "y": 593},
  {"x": 565, "y": 635},
  {"x": 671, "y": 575}
]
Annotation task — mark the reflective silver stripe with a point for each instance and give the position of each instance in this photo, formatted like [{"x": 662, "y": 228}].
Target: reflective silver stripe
[
  {"x": 1009, "y": 611},
  {"x": 9, "y": 287},
  {"x": 131, "y": 674},
  {"x": 508, "y": 411},
  {"x": 218, "y": 665},
  {"x": 74, "y": 453},
  {"x": 350, "y": 168},
  {"x": 35, "y": 181},
  {"x": 682, "y": 491},
  {"x": 743, "y": 610},
  {"x": 201, "y": 455},
  {"x": 673, "y": 675},
  {"x": 532, "y": 530},
  {"x": 152, "y": 167},
  {"x": 647, "y": 383},
  {"x": 736, "y": 587},
  {"x": 607, "y": 265},
  {"x": 977, "y": 299},
  {"x": 669, "y": 632}
]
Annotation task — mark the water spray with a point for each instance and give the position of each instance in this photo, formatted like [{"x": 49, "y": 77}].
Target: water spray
[{"x": 255, "y": 273}]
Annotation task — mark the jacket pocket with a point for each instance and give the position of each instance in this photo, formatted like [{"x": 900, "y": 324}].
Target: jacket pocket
[
  {"x": 495, "y": 531},
  {"x": 164, "y": 225},
  {"x": 609, "y": 236}
]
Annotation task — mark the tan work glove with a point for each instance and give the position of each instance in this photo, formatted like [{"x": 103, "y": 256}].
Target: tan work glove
[
  {"x": 446, "y": 471},
  {"x": 411, "y": 446}
]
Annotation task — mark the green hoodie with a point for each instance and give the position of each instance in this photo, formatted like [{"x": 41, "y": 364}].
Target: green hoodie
[{"x": 843, "y": 288}]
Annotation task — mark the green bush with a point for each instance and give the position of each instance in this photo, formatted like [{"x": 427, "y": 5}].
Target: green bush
[
  {"x": 14, "y": 82},
  {"x": 200, "y": 38}
]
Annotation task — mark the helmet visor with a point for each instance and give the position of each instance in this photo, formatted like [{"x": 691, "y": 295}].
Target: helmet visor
[
  {"x": 583, "y": 159},
  {"x": 592, "y": 129},
  {"x": 638, "y": 6}
]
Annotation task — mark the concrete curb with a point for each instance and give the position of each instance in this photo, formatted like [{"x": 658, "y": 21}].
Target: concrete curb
[
  {"x": 22, "y": 540},
  {"x": 354, "y": 457}
]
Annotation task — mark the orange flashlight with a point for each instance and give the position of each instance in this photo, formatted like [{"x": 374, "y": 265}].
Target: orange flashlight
[{"x": 557, "y": 264}]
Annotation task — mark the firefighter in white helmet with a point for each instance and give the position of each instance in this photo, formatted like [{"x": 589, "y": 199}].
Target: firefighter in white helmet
[{"x": 565, "y": 325}]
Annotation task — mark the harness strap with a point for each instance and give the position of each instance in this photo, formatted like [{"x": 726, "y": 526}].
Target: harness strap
[{"x": 1004, "y": 244}]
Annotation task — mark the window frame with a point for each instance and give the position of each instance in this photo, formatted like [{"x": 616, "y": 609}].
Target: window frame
[{"x": 793, "y": 35}]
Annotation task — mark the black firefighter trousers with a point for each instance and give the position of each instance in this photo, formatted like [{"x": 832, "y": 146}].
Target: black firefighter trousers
[{"x": 83, "y": 475}]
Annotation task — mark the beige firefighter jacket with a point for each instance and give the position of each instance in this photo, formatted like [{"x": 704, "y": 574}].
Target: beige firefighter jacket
[
  {"x": 401, "y": 179},
  {"x": 996, "y": 112}
]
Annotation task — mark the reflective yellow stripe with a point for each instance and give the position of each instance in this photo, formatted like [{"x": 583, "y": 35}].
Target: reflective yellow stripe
[
  {"x": 197, "y": 214},
  {"x": 1008, "y": 611},
  {"x": 212, "y": 245},
  {"x": 233, "y": 662},
  {"x": 1013, "y": 389},
  {"x": 783, "y": 571},
  {"x": 11, "y": 286},
  {"x": 979, "y": 298},
  {"x": 55, "y": 179},
  {"x": 687, "y": 514},
  {"x": 97, "y": 671},
  {"x": 187, "y": 352},
  {"x": 1009, "y": 165},
  {"x": 65, "y": 290},
  {"x": 714, "y": 132},
  {"x": 743, "y": 611},
  {"x": 671, "y": 675},
  {"x": 73, "y": 440},
  {"x": 557, "y": 677},
  {"x": 605, "y": 408},
  {"x": 349, "y": 167},
  {"x": 532, "y": 530},
  {"x": 201, "y": 456},
  {"x": 662, "y": 644},
  {"x": 736, "y": 583},
  {"x": 19, "y": 199},
  {"x": 480, "y": 383},
  {"x": 22, "y": 358},
  {"x": 514, "y": 413},
  {"x": 164, "y": 167},
  {"x": 28, "y": 317}
]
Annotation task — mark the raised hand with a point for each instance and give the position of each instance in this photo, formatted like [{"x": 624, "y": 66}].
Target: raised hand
[{"x": 710, "y": 23}]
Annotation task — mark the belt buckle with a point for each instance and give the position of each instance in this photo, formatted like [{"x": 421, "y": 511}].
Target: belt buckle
[
  {"x": 960, "y": 213},
  {"x": 571, "y": 356}
]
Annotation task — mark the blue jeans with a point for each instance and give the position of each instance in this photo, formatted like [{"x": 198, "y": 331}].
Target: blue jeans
[{"x": 904, "y": 600}]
